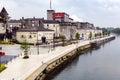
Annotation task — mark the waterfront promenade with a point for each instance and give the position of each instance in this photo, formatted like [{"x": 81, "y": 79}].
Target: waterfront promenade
[{"x": 21, "y": 69}]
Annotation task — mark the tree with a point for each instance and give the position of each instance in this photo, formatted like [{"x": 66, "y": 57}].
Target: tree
[
  {"x": 63, "y": 39},
  {"x": 90, "y": 35},
  {"x": 77, "y": 36}
]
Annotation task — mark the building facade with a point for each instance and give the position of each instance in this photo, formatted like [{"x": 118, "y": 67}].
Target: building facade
[
  {"x": 68, "y": 29},
  {"x": 50, "y": 14},
  {"x": 53, "y": 25},
  {"x": 34, "y": 35},
  {"x": 58, "y": 16},
  {"x": 85, "y": 28}
]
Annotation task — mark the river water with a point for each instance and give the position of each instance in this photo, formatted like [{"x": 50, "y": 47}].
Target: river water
[{"x": 100, "y": 64}]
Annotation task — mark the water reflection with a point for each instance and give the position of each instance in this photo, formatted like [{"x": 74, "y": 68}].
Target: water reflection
[{"x": 100, "y": 64}]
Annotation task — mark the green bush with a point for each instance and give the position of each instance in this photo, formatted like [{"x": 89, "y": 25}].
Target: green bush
[
  {"x": 2, "y": 67},
  {"x": 2, "y": 42},
  {"x": 24, "y": 46}
]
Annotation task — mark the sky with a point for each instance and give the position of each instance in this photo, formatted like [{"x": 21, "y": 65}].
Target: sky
[{"x": 102, "y": 13}]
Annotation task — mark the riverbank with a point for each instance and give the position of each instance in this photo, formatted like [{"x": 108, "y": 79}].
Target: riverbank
[{"x": 38, "y": 65}]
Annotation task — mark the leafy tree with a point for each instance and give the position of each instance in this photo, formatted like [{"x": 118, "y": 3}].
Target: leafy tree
[
  {"x": 77, "y": 36},
  {"x": 90, "y": 35},
  {"x": 105, "y": 32},
  {"x": 63, "y": 39}
]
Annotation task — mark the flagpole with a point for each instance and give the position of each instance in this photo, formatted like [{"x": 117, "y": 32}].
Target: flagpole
[{"x": 50, "y": 4}]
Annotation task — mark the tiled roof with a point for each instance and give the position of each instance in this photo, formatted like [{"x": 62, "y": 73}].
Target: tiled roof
[
  {"x": 14, "y": 21},
  {"x": 34, "y": 18},
  {"x": 3, "y": 12},
  {"x": 50, "y": 21},
  {"x": 35, "y": 29}
]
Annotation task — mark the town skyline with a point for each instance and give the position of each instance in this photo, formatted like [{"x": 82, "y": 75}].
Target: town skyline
[{"x": 102, "y": 13}]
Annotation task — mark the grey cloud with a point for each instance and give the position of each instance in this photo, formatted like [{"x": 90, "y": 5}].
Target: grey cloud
[{"x": 100, "y": 12}]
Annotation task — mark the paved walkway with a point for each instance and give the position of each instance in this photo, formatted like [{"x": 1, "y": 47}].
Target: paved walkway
[{"x": 20, "y": 68}]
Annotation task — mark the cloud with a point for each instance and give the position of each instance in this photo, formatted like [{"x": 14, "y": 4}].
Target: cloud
[
  {"x": 94, "y": 11},
  {"x": 76, "y": 18}
]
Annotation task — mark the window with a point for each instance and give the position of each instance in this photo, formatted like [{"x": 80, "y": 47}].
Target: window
[
  {"x": 33, "y": 24},
  {"x": 30, "y": 36},
  {"x": 47, "y": 25},
  {"x": 22, "y": 36}
]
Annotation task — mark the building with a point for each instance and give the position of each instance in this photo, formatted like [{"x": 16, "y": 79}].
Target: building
[
  {"x": 84, "y": 29},
  {"x": 53, "y": 25},
  {"x": 58, "y": 16},
  {"x": 31, "y": 22},
  {"x": 68, "y": 29},
  {"x": 14, "y": 23},
  {"x": 34, "y": 35},
  {"x": 2, "y": 29},
  {"x": 50, "y": 14}
]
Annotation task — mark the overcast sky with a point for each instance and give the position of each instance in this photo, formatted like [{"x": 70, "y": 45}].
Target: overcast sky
[{"x": 102, "y": 13}]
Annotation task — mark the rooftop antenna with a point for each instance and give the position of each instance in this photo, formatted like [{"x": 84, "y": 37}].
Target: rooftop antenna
[{"x": 50, "y": 4}]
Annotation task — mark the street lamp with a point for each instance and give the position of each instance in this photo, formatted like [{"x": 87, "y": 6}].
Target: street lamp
[
  {"x": 53, "y": 40},
  {"x": 37, "y": 42},
  {"x": 0, "y": 55}
]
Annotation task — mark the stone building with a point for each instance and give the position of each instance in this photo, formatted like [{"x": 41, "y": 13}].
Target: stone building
[
  {"x": 84, "y": 29},
  {"x": 34, "y": 35},
  {"x": 14, "y": 23},
  {"x": 53, "y": 25},
  {"x": 68, "y": 29},
  {"x": 31, "y": 22},
  {"x": 58, "y": 16}
]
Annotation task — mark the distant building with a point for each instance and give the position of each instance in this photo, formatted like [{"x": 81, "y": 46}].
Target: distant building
[
  {"x": 31, "y": 22},
  {"x": 84, "y": 29},
  {"x": 58, "y": 16},
  {"x": 57, "y": 23},
  {"x": 14, "y": 23},
  {"x": 50, "y": 14}
]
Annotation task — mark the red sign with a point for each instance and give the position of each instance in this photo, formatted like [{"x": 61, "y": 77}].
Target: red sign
[
  {"x": 2, "y": 53},
  {"x": 58, "y": 15}
]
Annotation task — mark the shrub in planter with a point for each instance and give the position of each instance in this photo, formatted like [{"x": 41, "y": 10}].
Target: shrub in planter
[
  {"x": 25, "y": 54},
  {"x": 25, "y": 47}
]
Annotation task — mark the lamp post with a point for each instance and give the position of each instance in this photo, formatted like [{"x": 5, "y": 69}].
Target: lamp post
[
  {"x": 37, "y": 41},
  {"x": 0, "y": 55},
  {"x": 53, "y": 40}
]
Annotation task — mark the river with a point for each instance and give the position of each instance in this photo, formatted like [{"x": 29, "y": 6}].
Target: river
[{"x": 100, "y": 64}]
